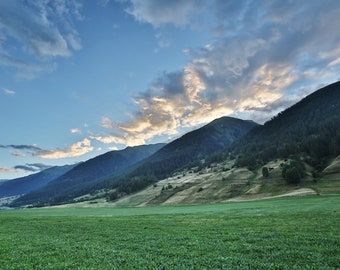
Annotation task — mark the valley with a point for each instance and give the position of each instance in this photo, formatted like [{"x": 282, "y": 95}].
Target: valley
[
  {"x": 232, "y": 194},
  {"x": 297, "y": 152},
  {"x": 284, "y": 233},
  {"x": 169, "y": 135}
]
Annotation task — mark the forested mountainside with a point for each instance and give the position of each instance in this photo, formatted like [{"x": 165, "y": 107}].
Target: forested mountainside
[
  {"x": 101, "y": 172},
  {"x": 185, "y": 152},
  {"x": 276, "y": 156},
  {"x": 87, "y": 176},
  {"x": 309, "y": 129}
]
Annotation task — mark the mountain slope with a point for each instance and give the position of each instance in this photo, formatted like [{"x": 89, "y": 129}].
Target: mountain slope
[
  {"x": 203, "y": 142},
  {"x": 86, "y": 176},
  {"x": 32, "y": 182},
  {"x": 215, "y": 136},
  {"x": 186, "y": 151},
  {"x": 310, "y": 128}
]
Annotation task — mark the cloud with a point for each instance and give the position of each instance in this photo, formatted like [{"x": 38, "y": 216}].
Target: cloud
[
  {"x": 77, "y": 149},
  {"x": 8, "y": 91},
  {"x": 157, "y": 13},
  {"x": 15, "y": 169},
  {"x": 75, "y": 131},
  {"x": 40, "y": 30},
  {"x": 34, "y": 167},
  {"x": 25, "y": 168},
  {"x": 162, "y": 41},
  {"x": 103, "y": 3},
  {"x": 25, "y": 69},
  {"x": 7, "y": 170},
  {"x": 18, "y": 154},
  {"x": 39, "y": 166},
  {"x": 174, "y": 100},
  {"x": 22, "y": 147},
  {"x": 262, "y": 56}
]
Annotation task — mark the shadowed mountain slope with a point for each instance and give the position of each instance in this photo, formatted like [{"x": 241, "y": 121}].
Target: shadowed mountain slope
[
  {"x": 187, "y": 151},
  {"x": 201, "y": 143},
  {"x": 310, "y": 128},
  {"x": 32, "y": 182},
  {"x": 86, "y": 176}
]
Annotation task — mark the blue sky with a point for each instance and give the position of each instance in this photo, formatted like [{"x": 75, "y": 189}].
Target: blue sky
[{"x": 80, "y": 78}]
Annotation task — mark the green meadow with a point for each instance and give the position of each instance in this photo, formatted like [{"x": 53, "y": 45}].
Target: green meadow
[{"x": 286, "y": 233}]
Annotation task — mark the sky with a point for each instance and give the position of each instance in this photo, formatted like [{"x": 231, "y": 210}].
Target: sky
[{"x": 83, "y": 77}]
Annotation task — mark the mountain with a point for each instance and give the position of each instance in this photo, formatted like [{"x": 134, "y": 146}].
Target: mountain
[
  {"x": 87, "y": 176},
  {"x": 32, "y": 182},
  {"x": 309, "y": 129},
  {"x": 296, "y": 153},
  {"x": 136, "y": 166},
  {"x": 308, "y": 132},
  {"x": 3, "y": 181},
  {"x": 187, "y": 151},
  {"x": 200, "y": 144},
  {"x": 215, "y": 136}
]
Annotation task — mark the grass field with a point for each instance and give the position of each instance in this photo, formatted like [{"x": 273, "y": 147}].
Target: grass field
[{"x": 289, "y": 233}]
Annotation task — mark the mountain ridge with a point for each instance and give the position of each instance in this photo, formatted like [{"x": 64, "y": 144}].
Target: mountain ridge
[
  {"x": 311, "y": 128},
  {"x": 26, "y": 184},
  {"x": 78, "y": 181},
  {"x": 208, "y": 139},
  {"x": 186, "y": 151}
]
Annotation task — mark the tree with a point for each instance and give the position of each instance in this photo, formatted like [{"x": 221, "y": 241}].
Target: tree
[
  {"x": 248, "y": 161},
  {"x": 292, "y": 175},
  {"x": 293, "y": 172},
  {"x": 113, "y": 196},
  {"x": 265, "y": 172}
]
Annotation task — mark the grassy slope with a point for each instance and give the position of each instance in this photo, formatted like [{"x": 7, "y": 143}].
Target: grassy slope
[
  {"x": 217, "y": 184},
  {"x": 294, "y": 233},
  {"x": 330, "y": 182},
  {"x": 221, "y": 183}
]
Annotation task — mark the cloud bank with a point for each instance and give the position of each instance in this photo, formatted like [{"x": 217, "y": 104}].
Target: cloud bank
[
  {"x": 77, "y": 149},
  {"x": 263, "y": 57},
  {"x": 177, "y": 12},
  {"x": 34, "y": 167},
  {"x": 32, "y": 148},
  {"x": 40, "y": 31}
]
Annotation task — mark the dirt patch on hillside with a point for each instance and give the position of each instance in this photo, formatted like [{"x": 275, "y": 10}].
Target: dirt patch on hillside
[
  {"x": 263, "y": 196},
  {"x": 166, "y": 194}
]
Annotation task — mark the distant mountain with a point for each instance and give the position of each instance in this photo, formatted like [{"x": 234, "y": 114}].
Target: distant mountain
[
  {"x": 32, "y": 182},
  {"x": 309, "y": 129},
  {"x": 87, "y": 176},
  {"x": 187, "y": 151}
]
